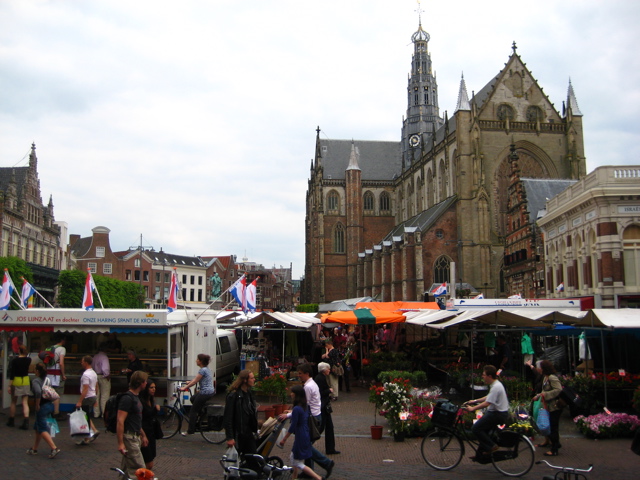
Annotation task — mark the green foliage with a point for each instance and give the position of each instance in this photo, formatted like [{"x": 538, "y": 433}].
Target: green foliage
[
  {"x": 386, "y": 361},
  {"x": 517, "y": 390},
  {"x": 17, "y": 269},
  {"x": 114, "y": 293},
  {"x": 307, "y": 308},
  {"x": 417, "y": 378}
]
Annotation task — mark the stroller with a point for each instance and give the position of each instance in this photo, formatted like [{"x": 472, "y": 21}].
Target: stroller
[{"x": 268, "y": 437}]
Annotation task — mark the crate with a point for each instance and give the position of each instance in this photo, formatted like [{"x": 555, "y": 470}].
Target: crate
[{"x": 444, "y": 414}]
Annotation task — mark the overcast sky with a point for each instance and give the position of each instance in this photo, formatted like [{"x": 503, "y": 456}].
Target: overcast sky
[{"x": 193, "y": 122}]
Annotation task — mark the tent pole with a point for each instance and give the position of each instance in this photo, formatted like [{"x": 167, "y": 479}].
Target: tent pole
[
  {"x": 604, "y": 369},
  {"x": 473, "y": 334}
]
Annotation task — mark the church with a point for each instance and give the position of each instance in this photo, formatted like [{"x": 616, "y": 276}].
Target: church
[{"x": 391, "y": 220}]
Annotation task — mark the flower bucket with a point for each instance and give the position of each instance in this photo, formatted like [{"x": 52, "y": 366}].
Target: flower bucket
[
  {"x": 376, "y": 432},
  {"x": 279, "y": 409},
  {"x": 269, "y": 412}
]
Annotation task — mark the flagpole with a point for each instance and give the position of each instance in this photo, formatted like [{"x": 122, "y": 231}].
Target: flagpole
[
  {"x": 17, "y": 303},
  {"x": 46, "y": 301},
  {"x": 15, "y": 290}
]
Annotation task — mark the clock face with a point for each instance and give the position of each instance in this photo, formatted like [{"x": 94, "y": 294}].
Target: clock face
[{"x": 414, "y": 141}]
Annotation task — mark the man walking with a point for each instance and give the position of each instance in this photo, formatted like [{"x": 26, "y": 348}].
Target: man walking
[
  {"x": 102, "y": 368},
  {"x": 88, "y": 383},
  {"x": 129, "y": 432}
]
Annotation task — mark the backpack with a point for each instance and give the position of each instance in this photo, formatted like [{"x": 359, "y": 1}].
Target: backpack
[
  {"x": 48, "y": 356},
  {"x": 110, "y": 415}
]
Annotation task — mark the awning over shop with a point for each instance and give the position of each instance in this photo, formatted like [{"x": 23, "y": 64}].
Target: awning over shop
[
  {"x": 280, "y": 320},
  {"x": 364, "y": 316},
  {"x": 24, "y": 328},
  {"x": 399, "y": 306},
  {"x": 429, "y": 316},
  {"x": 612, "y": 318}
]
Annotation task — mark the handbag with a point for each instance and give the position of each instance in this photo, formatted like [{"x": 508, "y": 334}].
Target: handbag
[
  {"x": 337, "y": 370},
  {"x": 543, "y": 421},
  {"x": 78, "y": 424},
  {"x": 314, "y": 432},
  {"x": 157, "y": 429},
  {"x": 48, "y": 392}
]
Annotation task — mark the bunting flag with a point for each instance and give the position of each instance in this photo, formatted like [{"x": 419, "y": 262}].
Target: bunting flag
[
  {"x": 479, "y": 297},
  {"x": 89, "y": 287},
  {"x": 172, "y": 302},
  {"x": 560, "y": 288},
  {"x": 250, "y": 296},
  {"x": 441, "y": 290},
  {"x": 26, "y": 297},
  {"x": 238, "y": 290},
  {"x": 6, "y": 292}
]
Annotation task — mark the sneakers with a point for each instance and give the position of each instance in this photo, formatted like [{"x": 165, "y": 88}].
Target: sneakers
[
  {"x": 31, "y": 451},
  {"x": 186, "y": 434},
  {"x": 93, "y": 437},
  {"x": 54, "y": 453}
]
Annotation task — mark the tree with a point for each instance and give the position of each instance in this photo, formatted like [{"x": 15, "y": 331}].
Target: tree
[
  {"x": 17, "y": 269},
  {"x": 113, "y": 293}
]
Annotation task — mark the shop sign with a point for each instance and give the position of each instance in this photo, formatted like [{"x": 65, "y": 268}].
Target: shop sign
[{"x": 133, "y": 318}]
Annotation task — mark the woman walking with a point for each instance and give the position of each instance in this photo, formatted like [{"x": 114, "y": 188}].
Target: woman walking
[
  {"x": 19, "y": 387},
  {"x": 332, "y": 357},
  {"x": 551, "y": 389},
  {"x": 325, "y": 408},
  {"x": 44, "y": 408},
  {"x": 149, "y": 418},
  {"x": 299, "y": 427},
  {"x": 206, "y": 392}
]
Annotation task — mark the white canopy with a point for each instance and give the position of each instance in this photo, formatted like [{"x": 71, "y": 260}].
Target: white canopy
[{"x": 608, "y": 317}]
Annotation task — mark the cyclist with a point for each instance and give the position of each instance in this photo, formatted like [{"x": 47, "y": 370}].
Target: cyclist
[
  {"x": 497, "y": 413},
  {"x": 205, "y": 377}
]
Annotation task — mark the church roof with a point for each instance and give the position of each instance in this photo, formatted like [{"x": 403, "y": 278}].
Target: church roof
[
  {"x": 377, "y": 160},
  {"x": 539, "y": 190},
  {"x": 424, "y": 220},
  {"x": 7, "y": 173},
  {"x": 82, "y": 246}
]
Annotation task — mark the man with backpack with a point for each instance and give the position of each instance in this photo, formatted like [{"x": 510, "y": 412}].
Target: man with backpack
[
  {"x": 129, "y": 430},
  {"x": 56, "y": 373}
]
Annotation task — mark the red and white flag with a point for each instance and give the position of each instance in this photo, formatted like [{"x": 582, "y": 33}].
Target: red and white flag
[
  {"x": 172, "y": 302},
  {"x": 89, "y": 287}
]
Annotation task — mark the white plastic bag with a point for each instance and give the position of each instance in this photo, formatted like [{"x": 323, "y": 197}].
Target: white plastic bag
[
  {"x": 232, "y": 461},
  {"x": 281, "y": 435},
  {"x": 53, "y": 426},
  {"x": 78, "y": 424}
]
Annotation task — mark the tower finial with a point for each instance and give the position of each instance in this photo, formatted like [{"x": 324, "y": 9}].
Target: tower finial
[
  {"x": 514, "y": 47},
  {"x": 419, "y": 10}
]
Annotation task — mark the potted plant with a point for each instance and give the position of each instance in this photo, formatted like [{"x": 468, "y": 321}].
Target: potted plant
[
  {"x": 273, "y": 386},
  {"x": 375, "y": 392},
  {"x": 396, "y": 403}
]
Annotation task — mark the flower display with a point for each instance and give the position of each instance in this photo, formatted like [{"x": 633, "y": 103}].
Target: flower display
[
  {"x": 607, "y": 425},
  {"x": 274, "y": 385}
]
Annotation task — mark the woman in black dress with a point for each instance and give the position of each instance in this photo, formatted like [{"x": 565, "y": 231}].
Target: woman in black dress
[{"x": 149, "y": 417}]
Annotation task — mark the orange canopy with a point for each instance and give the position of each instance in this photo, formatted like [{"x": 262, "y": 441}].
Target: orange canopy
[
  {"x": 399, "y": 306},
  {"x": 363, "y": 316}
]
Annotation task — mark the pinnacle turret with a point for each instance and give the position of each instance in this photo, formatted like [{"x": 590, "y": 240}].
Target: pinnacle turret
[{"x": 463, "y": 97}]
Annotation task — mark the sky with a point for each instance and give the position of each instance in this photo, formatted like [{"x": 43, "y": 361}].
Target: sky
[{"x": 193, "y": 123}]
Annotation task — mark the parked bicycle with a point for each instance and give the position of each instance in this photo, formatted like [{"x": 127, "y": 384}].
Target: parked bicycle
[
  {"x": 443, "y": 447},
  {"x": 566, "y": 473},
  {"x": 210, "y": 422},
  {"x": 266, "y": 471}
]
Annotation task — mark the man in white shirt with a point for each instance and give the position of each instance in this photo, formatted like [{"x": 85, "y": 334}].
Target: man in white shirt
[
  {"x": 87, "y": 400},
  {"x": 497, "y": 405},
  {"x": 103, "y": 370}
]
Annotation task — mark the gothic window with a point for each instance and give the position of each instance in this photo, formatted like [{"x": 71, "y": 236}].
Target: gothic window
[
  {"x": 338, "y": 239},
  {"x": 534, "y": 114},
  {"x": 631, "y": 255},
  {"x": 430, "y": 190},
  {"x": 385, "y": 202},
  {"x": 441, "y": 270},
  {"x": 333, "y": 202},
  {"x": 504, "y": 112},
  {"x": 420, "y": 203},
  {"x": 368, "y": 202}
]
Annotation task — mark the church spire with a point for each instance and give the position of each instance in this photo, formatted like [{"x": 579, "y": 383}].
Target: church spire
[
  {"x": 463, "y": 97},
  {"x": 353, "y": 157},
  {"x": 572, "y": 103}
]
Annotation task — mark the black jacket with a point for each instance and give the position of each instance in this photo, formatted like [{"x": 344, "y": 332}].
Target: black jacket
[{"x": 240, "y": 414}]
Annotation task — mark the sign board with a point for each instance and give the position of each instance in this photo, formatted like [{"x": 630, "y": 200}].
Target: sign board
[
  {"x": 488, "y": 303},
  {"x": 108, "y": 317}
]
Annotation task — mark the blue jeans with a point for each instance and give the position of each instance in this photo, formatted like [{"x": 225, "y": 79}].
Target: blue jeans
[
  {"x": 482, "y": 427},
  {"x": 317, "y": 456}
]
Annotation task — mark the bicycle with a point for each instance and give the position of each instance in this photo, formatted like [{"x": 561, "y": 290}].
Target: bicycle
[
  {"x": 443, "y": 447},
  {"x": 271, "y": 470},
  {"x": 145, "y": 474},
  {"x": 568, "y": 473},
  {"x": 209, "y": 423}
]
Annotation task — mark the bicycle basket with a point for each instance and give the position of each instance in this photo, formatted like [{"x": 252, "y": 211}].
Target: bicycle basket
[
  {"x": 444, "y": 414},
  {"x": 508, "y": 439},
  {"x": 215, "y": 417}
]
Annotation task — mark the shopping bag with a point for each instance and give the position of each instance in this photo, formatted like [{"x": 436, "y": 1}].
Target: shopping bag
[
  {"x": 314, "y": 432},
  {"x": 543, "y": 421},
  {"x": 231, "y": 456},
  {"x": 48, "y": 392},
  {"x": 281, "y": 436},
  {"x": 536, "y": 408},
  {"x": 78, "y": 424},
  {"x": 53, "y": 426}
]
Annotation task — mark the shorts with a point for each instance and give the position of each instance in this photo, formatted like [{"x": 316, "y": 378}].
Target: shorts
[
  {"x": 295, "y": 462},
  {"x": 87, "y": 405},
  {"x": 22, "y": 391},
  {"x": 41, "y": 424}
]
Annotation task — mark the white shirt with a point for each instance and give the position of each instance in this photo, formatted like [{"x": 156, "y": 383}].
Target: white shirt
[
  {"x": 90, "y": 378},
  {"x": 312, "y": 392},
  {"x": 497, "y": 397}
]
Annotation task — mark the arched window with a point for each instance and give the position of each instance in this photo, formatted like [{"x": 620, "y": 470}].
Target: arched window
[
  {"x": 441, "y": 269},
  {"x": 333, "y": 202},
  {"x": 368, "y": 202},
  {"x": 338, "y": 239},
  {"x": 631, "y": 255},
  {"x": 385, "y": 202},
  {"x": 504, "y": 112},
  {"x": 534, "y": 114}
]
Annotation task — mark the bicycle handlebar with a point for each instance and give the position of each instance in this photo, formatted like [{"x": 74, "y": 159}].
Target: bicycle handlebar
[{"x": 566, "y": 469}]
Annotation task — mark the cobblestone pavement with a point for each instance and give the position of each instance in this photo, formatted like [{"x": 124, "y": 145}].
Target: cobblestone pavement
[{"x": 361, "y": 457}]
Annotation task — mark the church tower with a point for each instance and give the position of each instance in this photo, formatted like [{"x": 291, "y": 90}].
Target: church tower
[{"x": 423, "y": 118}]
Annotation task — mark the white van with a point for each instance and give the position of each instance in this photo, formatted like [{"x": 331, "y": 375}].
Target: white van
[{"x": 227, "y": 356}]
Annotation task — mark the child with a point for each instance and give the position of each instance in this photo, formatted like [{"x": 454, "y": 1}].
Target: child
[{"x": 301, "y": 450}]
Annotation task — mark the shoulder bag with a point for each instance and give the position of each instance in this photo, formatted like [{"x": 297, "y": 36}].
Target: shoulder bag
[
  {"x": 543, "y": 421},
  {"x": 48, "y": 392},
  {"x": 314, "y": 432}
]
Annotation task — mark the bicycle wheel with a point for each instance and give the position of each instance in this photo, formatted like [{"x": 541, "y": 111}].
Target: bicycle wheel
[
  {"x": 211, "y": 433},
  {"x": 275, "y": 461},
  {"x": 515, "y": 457},
  {"x": 442, "y": 449},
  {"x": 170, "y": 420}
]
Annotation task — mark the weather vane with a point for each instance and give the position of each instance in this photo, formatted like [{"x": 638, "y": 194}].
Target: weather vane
[{"x": 419, "y": 10}]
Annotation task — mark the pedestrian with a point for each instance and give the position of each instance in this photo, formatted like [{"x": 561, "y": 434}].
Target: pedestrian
[
  {"x": 241, "y": 415},
  {"x": 149, "y": 417},
  {"x": 325, "y": 408},
  {"x": 134, "y": 364},
  {"x": 331, "y": 357},
  {"x": 56, "y": 374},
  {"x": 206, "y": 392},
  {"x": 131, "y": 437},
  {"x": 19, "y": 386},
  {"x": 102, "y": 367},
  {"x": 44, "y": 408},
  {"x": 551, "y": 389},
  {"x": 314, "y": 402},
  {"x": 299, "y": 427},
  {"x": 87, "y": 401}
]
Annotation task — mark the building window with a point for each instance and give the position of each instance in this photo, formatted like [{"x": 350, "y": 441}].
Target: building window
[
  {"x": 338, "y": 239},
  {"x": 136, "y": 275},
  {"x": 100, "y": 252},
  {"x": 199, "y": 279},
  {"x": 93, "y": 267},
  {"x": 184, "y": 279},
  {"x": 192, "y": 295},
  {"x": 107, "y": 268},
  {"x": 439, "y": 234},
  {"x": 157, "y": 294},
  {"x": 167, "y": 277},
  {"x": 441, "y": 270},
  {"x": 505, "y": 112},
  {"x": 145, "y": 277},
  {"x": 199, "y": 294},
  {"x": 333, "y": 202},
  {"x": 193, "y": 279},
  {"x": 534, "y": 114},
  {"x": 368, "y": 201},
  {"x": 631, "y": 255},
  {"x": 385, "y": 202},
  {"x": 136, "y": 263},
  {"x": 157, "y": 277},
  {"x": 127, "y": 275}
]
